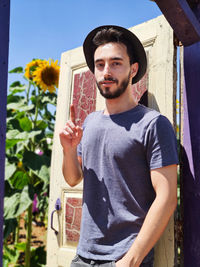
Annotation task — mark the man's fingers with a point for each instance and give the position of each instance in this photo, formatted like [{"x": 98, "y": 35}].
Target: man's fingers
[
  {"x": 65, "y": 134},
  {"x": 72, "y": 114},
  {"x": 79, "y": 131},
  {"x": 68, "y": 129}
]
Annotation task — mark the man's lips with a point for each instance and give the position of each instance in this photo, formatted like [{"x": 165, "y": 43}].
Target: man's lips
[{"x": 108, "y": 82}]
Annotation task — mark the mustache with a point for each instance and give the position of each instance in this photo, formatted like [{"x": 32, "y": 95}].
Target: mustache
[{"x": 110, "y": 79}]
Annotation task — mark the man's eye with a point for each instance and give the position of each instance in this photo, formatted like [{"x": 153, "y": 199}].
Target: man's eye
[
  {"x": 116, "y": 63},
  {"x": 99, "y": 65}
]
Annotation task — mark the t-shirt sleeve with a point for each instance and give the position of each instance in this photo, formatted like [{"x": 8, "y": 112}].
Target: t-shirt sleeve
[{"x": 160, "y": 143}]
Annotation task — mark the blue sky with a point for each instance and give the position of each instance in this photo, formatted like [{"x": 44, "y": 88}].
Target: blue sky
[{"x": 46, "y": 28}]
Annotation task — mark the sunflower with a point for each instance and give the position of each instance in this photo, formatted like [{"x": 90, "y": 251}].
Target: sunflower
[
  {"x": 46, "y": 76},
  {"x": 32, "y": 66}
]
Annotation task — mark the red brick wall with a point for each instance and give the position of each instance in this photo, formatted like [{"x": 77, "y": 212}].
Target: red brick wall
[
  {"x": 140, "y": 87},
  {"x": 84, "y": 95},
  {"x": 84, "y": 100},
  {"x": 73, "y": 218}
]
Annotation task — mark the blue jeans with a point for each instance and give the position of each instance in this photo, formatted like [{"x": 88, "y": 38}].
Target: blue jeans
[{"x": 79, "y": 261}]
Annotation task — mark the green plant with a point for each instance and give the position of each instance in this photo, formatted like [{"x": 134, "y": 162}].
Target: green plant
[
  {"x": 10, "y": 256},
  {"x": 30, "y": 124}
]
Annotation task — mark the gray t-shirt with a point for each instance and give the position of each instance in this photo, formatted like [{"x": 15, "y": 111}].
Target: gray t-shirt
[{"x": 118, "y": 152}]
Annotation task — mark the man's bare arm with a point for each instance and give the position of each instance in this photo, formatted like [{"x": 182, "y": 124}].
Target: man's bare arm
[
  {"x": 164, "y": 181},
  {"x": 70, "y": 137},
  {"x": 71, "y": 168}
]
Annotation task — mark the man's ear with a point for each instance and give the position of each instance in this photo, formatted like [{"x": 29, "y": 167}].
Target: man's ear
[{"x": 134, "y": 69}]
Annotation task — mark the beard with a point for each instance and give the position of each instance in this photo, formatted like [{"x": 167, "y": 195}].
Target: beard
[{"x": 118, "y": 92}]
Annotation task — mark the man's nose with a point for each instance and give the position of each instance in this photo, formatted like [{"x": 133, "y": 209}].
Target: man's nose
[{"x": 107, "y": 70}]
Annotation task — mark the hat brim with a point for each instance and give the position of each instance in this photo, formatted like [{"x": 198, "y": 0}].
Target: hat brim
[{"x": 138, "y": 50}]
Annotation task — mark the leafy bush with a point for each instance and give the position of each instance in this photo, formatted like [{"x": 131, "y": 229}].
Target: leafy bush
[{"x": 30, "y": 125}]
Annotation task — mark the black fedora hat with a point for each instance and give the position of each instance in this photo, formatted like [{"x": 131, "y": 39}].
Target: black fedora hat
[{"x": 138, "y": 49}]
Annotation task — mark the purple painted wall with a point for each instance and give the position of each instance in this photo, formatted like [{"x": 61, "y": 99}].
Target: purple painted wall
[
  {"x": 191, "y": 157},
  {"x": 4, "y": 42},
  {"x": 191, "y": 154}
]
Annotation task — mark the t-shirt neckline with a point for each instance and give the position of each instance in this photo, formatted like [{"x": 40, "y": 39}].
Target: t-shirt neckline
[{"x": 120, "y": 113}]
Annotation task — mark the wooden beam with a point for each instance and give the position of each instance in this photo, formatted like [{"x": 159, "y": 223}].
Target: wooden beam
[
  {"x": 4, "y": 44},
  {"x": 182, "y": 19}
]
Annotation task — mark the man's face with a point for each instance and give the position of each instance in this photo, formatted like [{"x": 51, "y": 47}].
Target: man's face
[{"x": 113, "y": 71}]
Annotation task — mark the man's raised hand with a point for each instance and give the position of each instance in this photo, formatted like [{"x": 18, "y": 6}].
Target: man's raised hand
[{"x": 71, "y": 135}]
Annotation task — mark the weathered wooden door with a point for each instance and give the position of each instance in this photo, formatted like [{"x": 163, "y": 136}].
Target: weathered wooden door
[{"x": 77, "y": 86}]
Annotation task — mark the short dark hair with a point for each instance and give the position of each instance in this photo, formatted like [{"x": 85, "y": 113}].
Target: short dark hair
[{"x": 111, "y": 35}]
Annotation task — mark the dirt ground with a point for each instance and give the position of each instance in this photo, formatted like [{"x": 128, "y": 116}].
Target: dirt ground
[
  {"x": 38, "y": 238},
  {"x": 39, "y": 233}
]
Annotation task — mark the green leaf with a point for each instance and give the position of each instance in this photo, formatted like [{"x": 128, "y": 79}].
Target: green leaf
[
  {"x": 9, "y": 170},
  {"x": 38, "y": 257},
  {"x": 17, "y": 70},
  {"x": 34, "y": 161},
  {"x": 15, "y": 134},
  {"x": 20, "y": 115},
  {"x": 33, "y": 100},
  {"x": 8, "y": 190},
  {"x": 19, "y": 180},
  {"x": 44, "y": 174},
  {"x": 20, "y": 148},
  {"x": 27, "y": 108},
  {"x": 21, "y": 246},
  {"x": 5, "y": 261},
  {"x": 15, "y": 84},
  {"x": 14, "y": 99},
  {"x": 17, "y": 87},
  {"x": 12, "y": 134},
  {"x": 48, "y": 115},
  {"x": 40, "y": 137},
  {"x": 9, "y": 227},
  {"x": 33, "y": 133},
  {"x": 16, "y": 104},
  {"x": 20, "y": 106},
  {"x": 25, "y": 124},
  {"x": 18, "y": 90},
  {"x": 11, "y": 254},
  {"x": 11, "y": 143},
  {"x": 41, "y": 125},
  {"x": 22, "y": 139},
  {"x": 50, "y": 99},
  {"x": 18, "y": 202},
  {"x": 12, "y": 123}
]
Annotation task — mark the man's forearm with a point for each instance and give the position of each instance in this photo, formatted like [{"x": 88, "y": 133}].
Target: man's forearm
[
  {"x": 71, "y": 167},
  {"x": 153, "y": 226}
]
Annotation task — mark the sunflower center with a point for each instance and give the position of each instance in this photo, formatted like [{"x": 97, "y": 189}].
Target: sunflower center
[{"x": 49, "y": 76}]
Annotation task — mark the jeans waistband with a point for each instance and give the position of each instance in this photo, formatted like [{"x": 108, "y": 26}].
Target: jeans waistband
[{"x": 93, "y": 261}]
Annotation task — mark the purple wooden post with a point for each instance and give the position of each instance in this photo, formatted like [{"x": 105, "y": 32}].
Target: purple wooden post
[
  {"x": 191, "y": 157},
  {"x": 4, "y": 43},
  {"x": 182, "y": 19}
]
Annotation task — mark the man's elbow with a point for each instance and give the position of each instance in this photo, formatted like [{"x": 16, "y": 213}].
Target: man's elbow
[
  {"x": 73, "y": 182},
  {"x": 168, "y": 203}
]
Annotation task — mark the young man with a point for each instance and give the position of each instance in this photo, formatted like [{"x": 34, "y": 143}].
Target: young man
[{"x": 127, "y": 156}]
